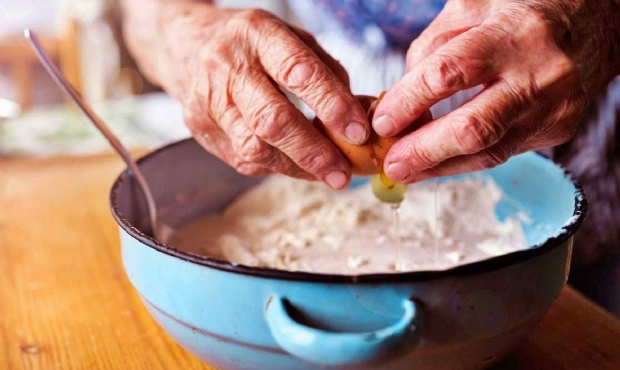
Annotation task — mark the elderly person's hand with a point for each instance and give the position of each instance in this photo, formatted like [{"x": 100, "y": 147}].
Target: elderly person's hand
[
  {"x": 229, "y": 69},
  {"x": 538, "y": 63}
]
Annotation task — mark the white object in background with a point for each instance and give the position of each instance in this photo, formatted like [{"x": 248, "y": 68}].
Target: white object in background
[
  {"x": 9, "y": 109},
  {"x": 99, "y": 60},
  {"x": 98, "y": 52},
  {"x": 144, "y": 121},
  {"x": 15, "y": 15}
]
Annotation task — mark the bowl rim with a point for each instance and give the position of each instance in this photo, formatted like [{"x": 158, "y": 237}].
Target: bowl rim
[{"x": 570, "y": 227}]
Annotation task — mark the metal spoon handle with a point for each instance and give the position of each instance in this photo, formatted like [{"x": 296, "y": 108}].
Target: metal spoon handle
[{"x": 69, "y": 90}]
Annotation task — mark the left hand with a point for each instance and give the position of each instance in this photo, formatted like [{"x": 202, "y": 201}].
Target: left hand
[{"x": 539, "y": 63}]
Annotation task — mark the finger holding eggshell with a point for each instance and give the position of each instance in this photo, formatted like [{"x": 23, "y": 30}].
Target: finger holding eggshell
[{"x": 367, "y": 159}]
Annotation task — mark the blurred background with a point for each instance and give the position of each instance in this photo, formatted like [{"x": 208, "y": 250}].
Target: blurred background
[{"x": 84, "y": 37}]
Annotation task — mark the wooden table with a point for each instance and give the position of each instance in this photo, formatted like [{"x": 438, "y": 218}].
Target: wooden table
[{"x": 65, "y": 302}]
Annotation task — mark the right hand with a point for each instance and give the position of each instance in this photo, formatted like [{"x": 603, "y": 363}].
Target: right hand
[{"x": 227, "y": 67}]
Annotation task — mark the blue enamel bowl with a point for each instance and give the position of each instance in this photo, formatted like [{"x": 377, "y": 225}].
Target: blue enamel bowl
[{"x": 238, "y": 317}]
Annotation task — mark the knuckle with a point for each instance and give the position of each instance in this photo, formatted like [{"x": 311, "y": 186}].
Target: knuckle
[
  {"x": 298, "y": 70},
  {"x": 421, "y": 157},
  {"x": 254, "y": 150},
  {"x": 494, "y": 157},
  {"x": 331, "y": 107},
  {"x": 474, "y": 134},
  {"x": 445, "y": 74},
  {"x": 273, "y": 123},
  {"x": 405, "y": 95},
  {"x": 521, "y": 96},
  {"x": 316, "y": 160}
]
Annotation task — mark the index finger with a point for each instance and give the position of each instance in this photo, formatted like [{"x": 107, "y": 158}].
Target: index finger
[
  {"x": 464, "y": 62},
  {"x": 294, "y": 66}
]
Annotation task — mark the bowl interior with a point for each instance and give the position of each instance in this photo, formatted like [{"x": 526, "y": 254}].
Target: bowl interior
[
  {"x": 188, "y": 182},
  {"x": 547, "y": 193}
]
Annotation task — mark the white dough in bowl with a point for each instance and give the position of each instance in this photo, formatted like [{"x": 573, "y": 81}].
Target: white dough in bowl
[{"x": 298, "y": 225}]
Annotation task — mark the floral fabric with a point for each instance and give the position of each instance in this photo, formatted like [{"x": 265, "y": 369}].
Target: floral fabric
[{"x": 383, "y": 23}]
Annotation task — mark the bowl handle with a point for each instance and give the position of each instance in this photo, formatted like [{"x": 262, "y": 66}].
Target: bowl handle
[{"x": 336, "y": 348}]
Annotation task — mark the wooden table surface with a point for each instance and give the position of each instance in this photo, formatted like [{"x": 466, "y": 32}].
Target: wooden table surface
[{"x": 65, "y": 302}]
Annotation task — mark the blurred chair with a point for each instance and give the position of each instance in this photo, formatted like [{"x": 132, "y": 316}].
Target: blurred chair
[{"x": 20, "y": 60}]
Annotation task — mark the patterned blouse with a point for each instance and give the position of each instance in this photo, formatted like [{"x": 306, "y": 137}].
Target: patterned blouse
[{"x": 386, "y": 24}]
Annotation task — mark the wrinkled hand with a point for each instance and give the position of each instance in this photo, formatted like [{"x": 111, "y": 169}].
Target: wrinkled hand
[
  {"x": 538, "y": 62},
  {"x": 234, "y": 64}
]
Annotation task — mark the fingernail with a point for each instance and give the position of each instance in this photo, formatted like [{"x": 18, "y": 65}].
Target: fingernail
[
  {"x": 384, "y": 126},
  {"x": 336, "y": 179},
  {"x": 355, "y": 132},
  {"x": 398, "y": 171}
]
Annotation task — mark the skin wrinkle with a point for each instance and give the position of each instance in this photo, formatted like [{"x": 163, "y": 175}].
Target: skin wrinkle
[
  {"x": 335, "y": 110},
  {"x": 477, "y": 132},
  {"x": 406, "y": 105},
  {"x": 275, "y": 122},
  {"x": 521, "y": 95},
  {"x": 253, "y": 149},
  {"x": 545, "y": 69},
  {"x": 571, "y": 34},
  {"x": 496, "y": 155},
  {"x": 436, "y": 79},
  {"x": 425, "y": 159},
  {"x": 545, "y": 50},
  {"x": 467, "y": 110},
  {"x": 449, "y": 74},
  {"x": 486, "y": 120},
  {"x": 272, "y": 122},
  {"x": 316, "y": 162},
  {"x": 301, "y": 72},
  {"x": 515, "y": 139},
  {"x": 300, "y": 76},
  {"x": 183, "y": 53},
  {"x": 296, "y": 71},
  {"x": 330, "y": 62}
]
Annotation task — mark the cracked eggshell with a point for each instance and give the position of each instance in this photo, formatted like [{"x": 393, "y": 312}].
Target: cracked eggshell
[{"x": 367, "y": 159}]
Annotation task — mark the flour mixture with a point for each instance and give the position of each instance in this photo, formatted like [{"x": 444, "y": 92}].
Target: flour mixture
[{"x": 298, "y": 225}]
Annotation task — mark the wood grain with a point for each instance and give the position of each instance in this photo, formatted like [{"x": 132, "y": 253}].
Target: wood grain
[{"x": 65, "y": 302}]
